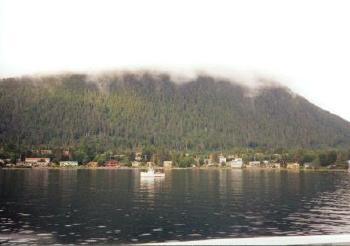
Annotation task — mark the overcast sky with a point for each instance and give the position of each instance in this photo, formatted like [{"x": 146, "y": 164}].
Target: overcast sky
[{"x": 304, "y": 44}]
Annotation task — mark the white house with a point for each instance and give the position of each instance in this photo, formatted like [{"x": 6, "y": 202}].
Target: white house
[
  {"x": 235, "y": 163},
  {"x": 68, "y": 163},
  {"x": 222, "y": 159},
  {"x": 254, "y": 164},
  {"x": 40, "y": 162},
  {"x": 349, "y": 165},
  {"x": 309, "y": 165}
]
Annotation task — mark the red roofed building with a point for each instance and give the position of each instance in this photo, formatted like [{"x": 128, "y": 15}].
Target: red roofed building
[{"x": 111, "y": 163}]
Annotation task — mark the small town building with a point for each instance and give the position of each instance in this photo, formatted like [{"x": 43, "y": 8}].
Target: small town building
[
  {"x": 276, "y": 165},
  {"x": 92, "y": 164},
  {"x": 136, "y": 164},
  {"x": 309, "y": 165},
  {"x": 138, "y": 156},
  {"x": 270, "y": 164},
  {"x": 235, "y": 163},
  {"x": 68, "y": 163},
  {"x": 208, "y": 162},
  {"x": 253, "y": 164},
  {"x": 167, "y": 164},
  {"x": 267, "y": 164},
  {"x": 8, "y": 160},
  {"x": 111, "y": 163},
  {"x": 222, "y": 159},
  {"x": 37, "y": 162},
  {"x": 42, "y": 151},
  {"x": 349, "y": 165},
  {"x": 293, "y": 165}
]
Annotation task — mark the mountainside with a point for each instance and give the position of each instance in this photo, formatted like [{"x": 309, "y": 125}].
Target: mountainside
[{"x": 141, "y": 109}]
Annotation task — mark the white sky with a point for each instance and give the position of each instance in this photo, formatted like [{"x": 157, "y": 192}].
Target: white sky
[{"x": 304, "y": 44}]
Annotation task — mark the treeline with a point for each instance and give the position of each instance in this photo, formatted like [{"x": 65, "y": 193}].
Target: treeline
[
  {"x": 123, "y": 112},
  {"x": 317, "y": 157}
]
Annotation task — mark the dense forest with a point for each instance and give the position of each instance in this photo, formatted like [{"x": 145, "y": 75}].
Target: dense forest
[{"x": 124, "y": 111}]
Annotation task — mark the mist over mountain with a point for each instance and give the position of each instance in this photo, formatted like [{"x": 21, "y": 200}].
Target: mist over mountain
[{"x": 139, "y": 109}]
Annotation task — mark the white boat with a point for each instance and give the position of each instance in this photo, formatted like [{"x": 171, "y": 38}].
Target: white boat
[{"x": 152, "y": 174}]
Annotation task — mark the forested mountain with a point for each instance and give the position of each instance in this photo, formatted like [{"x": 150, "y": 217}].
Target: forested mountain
[{"x": 128, "y": 110}]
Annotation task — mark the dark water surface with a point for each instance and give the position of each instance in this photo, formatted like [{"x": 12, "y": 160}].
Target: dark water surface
[{"x": 116, "y": 206}]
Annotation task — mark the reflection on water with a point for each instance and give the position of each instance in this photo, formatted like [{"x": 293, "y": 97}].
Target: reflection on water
[
  {"x": 116, "y": 206},
  {"x": 148, "y": 189}
]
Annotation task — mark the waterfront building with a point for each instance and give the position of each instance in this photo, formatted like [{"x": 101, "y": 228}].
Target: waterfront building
[
  {"x": 167, "y": 164},
  {"x": 235, "y": 163},
  {"x": 68, "y": 163},
  {"x": 293, "y": 165},
  {"x": 136, "y": 164},
  {"x": 93, "y": 164},
  {"x": 111, "y": 163},
  {"x": 254, "y": 164},
  {"x": 138, "y": 156},
  {"x": 208, "y": 162},
  {"x": 276, "y": 165},
  {"x": 37, "y": 162},
  {"x": 222, "y": 160},
  {"x": 309, "y": 165}
]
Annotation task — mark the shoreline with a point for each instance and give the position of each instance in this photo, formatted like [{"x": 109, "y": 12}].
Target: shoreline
[{"x": 177, "y": 168}]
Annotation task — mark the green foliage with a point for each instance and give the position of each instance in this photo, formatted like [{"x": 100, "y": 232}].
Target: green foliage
[
  {"x": 125, "y": 160},
  {"x": 327, "y": 158},
  {"x": 102, "y": 158},
  {"x": 80, "y": 156},
  {"x": 186, "y": 161},
  {"x": 308, "y": 157},
  {"x": 142, "y": 110}
]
